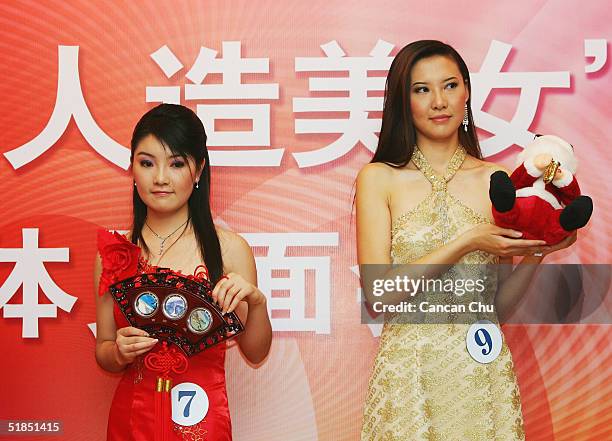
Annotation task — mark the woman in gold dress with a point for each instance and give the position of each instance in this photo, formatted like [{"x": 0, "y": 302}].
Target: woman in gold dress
[{"x": 423, "y": 199}]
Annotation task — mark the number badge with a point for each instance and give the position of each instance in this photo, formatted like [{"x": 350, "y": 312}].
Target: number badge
[
  {"x": 189, "y": 404},
  {"x": 484, "y": 341}
]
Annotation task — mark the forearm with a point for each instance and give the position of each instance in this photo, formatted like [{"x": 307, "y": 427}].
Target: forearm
[
  {"x": 513, "y": 287},
  {"x": 257, "y": 336},
  {"x": 428, "y": 267},
  {"x": 108, "y": 358}
]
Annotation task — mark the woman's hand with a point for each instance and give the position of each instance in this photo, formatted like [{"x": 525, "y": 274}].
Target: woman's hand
[
  {"x": 502, "y": 241},
  {"x": 132, "y": 342},
  {"x": 232, "y": 288},
  {"x": 565, "y": 243}
]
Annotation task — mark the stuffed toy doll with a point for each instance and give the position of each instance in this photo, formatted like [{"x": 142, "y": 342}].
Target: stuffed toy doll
[{"x": 542, "y": 197}]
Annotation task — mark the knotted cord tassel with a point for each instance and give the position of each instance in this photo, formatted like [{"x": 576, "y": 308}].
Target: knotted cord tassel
[{"x": 158, "y": 411}]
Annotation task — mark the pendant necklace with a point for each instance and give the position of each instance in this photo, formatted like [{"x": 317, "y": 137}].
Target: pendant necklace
[{"x": 162, "y": 238}]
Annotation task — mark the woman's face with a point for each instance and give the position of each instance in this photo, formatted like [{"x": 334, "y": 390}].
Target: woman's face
[
  {"x": 437, "y": 98},
  {"x": 164, "y": 182}
]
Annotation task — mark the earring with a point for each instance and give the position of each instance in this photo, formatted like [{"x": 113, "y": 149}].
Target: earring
[
  {"x": 134, "y": 183},
  {"x": 197, "y": 184},
  {"x": 466, "y": 121}
]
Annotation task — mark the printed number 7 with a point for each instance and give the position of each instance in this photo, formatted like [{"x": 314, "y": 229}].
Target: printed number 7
[{"x": 186, "y": 393}]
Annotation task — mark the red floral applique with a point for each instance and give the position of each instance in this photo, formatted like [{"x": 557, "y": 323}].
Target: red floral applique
[{"x": 119, "y": 258}]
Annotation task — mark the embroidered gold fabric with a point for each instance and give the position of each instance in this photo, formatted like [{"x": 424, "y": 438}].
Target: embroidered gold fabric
[
  {"x": 191, "y": 433},
  {"x": 424, "y": 385}
]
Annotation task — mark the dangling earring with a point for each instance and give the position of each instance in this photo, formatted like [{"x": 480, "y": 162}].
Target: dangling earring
[
  {"x": 197, "y": 184},
  {"x": 466, "y": 121}
]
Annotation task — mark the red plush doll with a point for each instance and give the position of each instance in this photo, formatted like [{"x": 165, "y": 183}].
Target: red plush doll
[{"x": 541, "y": 198}]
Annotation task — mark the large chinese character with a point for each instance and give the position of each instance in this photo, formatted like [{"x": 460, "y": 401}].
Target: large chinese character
[
  {"x": 30, "y": 272},
  {"x": 358, "y": 127},
  {"x": 294, "y": 281},
  {"x": 231, "y": 65},
  {"x": 69, "y": 103},
  {"x": 507, "y": 133}
]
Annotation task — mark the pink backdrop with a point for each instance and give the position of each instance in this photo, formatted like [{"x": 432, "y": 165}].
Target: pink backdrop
[{"x": 63, "y": 180}]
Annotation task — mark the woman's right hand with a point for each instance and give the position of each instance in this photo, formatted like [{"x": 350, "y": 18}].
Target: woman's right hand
[
  {"x": 132, "y": 342},
  {"x": 502, "y": 241}
]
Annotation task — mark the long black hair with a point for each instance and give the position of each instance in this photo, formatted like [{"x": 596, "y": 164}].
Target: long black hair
[
  {"x": 397, "y": 133},
  {"x": 182, "y": 132}
]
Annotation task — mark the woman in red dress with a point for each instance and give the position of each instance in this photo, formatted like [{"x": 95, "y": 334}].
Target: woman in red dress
[{"x": 173, "y": 228}]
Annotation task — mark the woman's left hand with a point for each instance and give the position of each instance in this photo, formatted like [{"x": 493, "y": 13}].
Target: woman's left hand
[{"x": 231, "y": 289}]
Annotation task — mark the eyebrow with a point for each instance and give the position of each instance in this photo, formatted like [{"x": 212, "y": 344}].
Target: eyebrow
[
  {"x": 443, "y": 81},
  {"x": 152, "y": 156}
]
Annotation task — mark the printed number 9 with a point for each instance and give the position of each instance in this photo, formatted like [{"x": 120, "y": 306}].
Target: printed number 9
[{"x": 487, "y": 344}]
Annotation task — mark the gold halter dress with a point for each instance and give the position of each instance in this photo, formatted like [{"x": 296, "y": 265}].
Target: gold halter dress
[{"x": 424, "y": 384}]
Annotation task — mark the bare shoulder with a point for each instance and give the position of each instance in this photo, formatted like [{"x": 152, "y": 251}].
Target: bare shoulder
[
  {"x": 374, "y": 181},
  {"x": 236, "y": 253},
  {"x": 376, "y": 173},
  {"x": 492, "y": 167},
  {"x": 231, "y": 243},
  {"x": 485, "y": 168}
]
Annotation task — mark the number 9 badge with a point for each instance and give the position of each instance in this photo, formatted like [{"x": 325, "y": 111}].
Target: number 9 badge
[{"x": 484, "y": 341}]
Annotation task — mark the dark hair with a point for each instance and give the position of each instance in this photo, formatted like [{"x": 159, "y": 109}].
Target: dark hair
[
  {"x": 397, "y": 133},
  {"x": 182, "y": 132}
]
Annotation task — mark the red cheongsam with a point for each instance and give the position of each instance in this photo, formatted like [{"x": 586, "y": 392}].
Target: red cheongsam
[{"x": 138, "y": 411}]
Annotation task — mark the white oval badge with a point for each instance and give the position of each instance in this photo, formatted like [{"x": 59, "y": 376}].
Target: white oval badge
[
  {"x": 484, "y": 341},
  {"x": 189, "y": 404}
]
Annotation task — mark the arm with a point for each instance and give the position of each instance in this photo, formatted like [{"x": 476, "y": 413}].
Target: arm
[
  {"x": 512, "y": 283},
  {"x": 238, "y": 291},
  {"x": 374, "y": 237},
  {"x": 373, "y": 215},
  {"x": 115, "y": 349},
  {"x": 374, "y": 223},
  {"x": 515, "y": 283}
]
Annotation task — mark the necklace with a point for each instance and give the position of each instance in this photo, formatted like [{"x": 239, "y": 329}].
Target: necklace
[
  {"x": 161, "y": 256},
  {"x": 164, "y": 238}
]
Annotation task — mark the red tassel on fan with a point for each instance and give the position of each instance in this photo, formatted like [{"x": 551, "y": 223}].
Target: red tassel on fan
[
  {"x": 158, "y": 409},
  {"x": 166, "y": 408}
]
